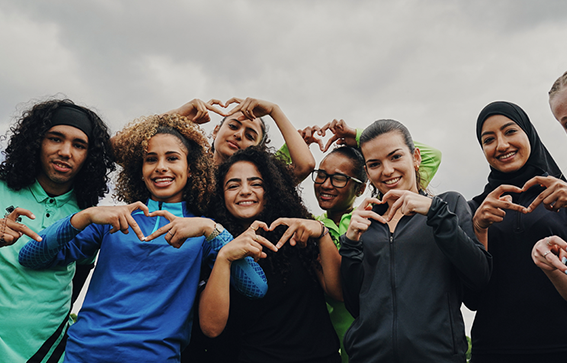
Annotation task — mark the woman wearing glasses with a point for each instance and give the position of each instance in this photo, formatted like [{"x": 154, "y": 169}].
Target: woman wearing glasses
[{"x": 340, "y": 179}]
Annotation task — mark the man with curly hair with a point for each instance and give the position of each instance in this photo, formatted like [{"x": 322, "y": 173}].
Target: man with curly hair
[{"x": 57, "y": 162}]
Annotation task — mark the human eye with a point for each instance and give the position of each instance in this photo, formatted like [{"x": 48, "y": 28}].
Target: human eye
[
  {"x": 373, "y": 164},
  {"x": 80, "y": 146},
  {"x": 232, "y": 186},
  {"x": 321, "y": 175},
  {"x": 340, "y": 178},
  {"x": 396, "y": 156},
  {"x": 250, "y": 137},
  {"x": 150, "y": 159},
  {"x": 173, "y": 158},
  {"x": 232, "y": 126},
  {"x": 511, "y": 131},
  {"x": 54, "y": 139},
  {"x": 487, "y": 140}
]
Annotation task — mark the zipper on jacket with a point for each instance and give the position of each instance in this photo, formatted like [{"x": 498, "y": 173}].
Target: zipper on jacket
[{"x": 394, "y": 298}]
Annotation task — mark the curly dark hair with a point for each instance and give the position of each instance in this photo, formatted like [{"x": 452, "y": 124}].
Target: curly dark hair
[
  {"x": 22, "y": 164},
  {"x": 281, "y": 200},
  {"x": 131, "y": 144}
]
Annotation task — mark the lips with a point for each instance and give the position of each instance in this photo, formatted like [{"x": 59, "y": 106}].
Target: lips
[
  {"x": 163, "y": 181},
  {"x": 507, "y": 156},
  {"x": 233, "y": 145},
  {"x": 392, "y": 182},
  {"x": 61, "y": 166},
  {"x": 326, "y": 197},
  {"x": 246, "y": 203}
]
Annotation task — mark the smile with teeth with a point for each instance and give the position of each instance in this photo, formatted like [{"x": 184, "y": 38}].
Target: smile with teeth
[
  {"x": 392, "y": 181},
  {"x": 507, "y": 156},
  {"x": 61, "y": 166},
  {"x": 246, "y": 203},
  {"x": 326, "y": 196},
  {"x": 163, "y": 181}
]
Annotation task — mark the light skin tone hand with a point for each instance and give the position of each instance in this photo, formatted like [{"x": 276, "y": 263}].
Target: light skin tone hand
[
  {"x": 553, "y": 197},
  {"x": 405, "y": 202},
  {"x": 214, "y": 301},
  {"x": 360, "y": 220},
  {"x": 492, "y": 210},
  {"x": 298, "y": 231},
  {"x": 309, "y": 136},
  {"x": 119, "y": 217},
  {"x": 547, "y": 254},
  {"x": 14, "y": 230},
  {"x": 198, "y": 111},
  {"x": 179, "y": 228},
  {"x": 342, "y": 134}
]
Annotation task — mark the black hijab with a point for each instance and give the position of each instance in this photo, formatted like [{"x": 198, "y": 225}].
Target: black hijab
[{"x": 539, "y": 162}]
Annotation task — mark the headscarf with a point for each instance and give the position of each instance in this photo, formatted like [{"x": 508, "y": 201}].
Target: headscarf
[{"x": 539, "y": 162}]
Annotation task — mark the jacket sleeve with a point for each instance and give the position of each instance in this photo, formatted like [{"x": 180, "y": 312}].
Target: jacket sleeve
[
  {"x": 455, "y": 237},
  {"x": 430, "y": 161},
  {"x": 352, "y": 273},
  {"x": 61, "y": 244},
  {"x": 246, "y": 275}
]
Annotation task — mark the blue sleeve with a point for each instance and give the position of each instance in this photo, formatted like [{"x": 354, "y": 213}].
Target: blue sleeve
[
  {"x": 61, "y": 244},
  {"x": 246, "y": 276}
]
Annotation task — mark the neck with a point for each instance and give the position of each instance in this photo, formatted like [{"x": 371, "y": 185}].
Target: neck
[
  {"x": 54, "y": 189},
  {"x": 336, "y": 216},
  {"x": 218, "y": 158}
]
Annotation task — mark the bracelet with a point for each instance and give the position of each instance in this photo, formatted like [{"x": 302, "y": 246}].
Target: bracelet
[
  {"x": 324, "y": 230},
  {"x": 218, "y": 230}
]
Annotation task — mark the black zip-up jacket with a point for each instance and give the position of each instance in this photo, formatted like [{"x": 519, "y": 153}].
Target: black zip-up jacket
[{"x": 405, "y": 288}]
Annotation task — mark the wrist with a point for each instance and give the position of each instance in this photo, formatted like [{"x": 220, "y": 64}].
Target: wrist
[{"x": 212, "y": 230}]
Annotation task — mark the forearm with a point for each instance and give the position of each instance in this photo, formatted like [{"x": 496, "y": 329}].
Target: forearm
[
  {"x": 352, "y": 273},
  {"x": 330, "y": 260},
  {"x": 301, "y": 157},
  {"x": 214, "y": 303},
  {"x": 455, "y": 238},
  {"x": 247, "y": 276},
  {"x": 559, "y": 280},
  {"x": 37, "y": 255}
]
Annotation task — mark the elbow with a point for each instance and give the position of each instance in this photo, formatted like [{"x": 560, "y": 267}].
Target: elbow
[
  {"x": 302, "y": 171},
  {"x": 212, "y": 330}
]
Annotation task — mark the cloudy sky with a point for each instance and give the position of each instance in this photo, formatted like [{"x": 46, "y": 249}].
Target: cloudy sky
[{"x": 431, "y": 65}]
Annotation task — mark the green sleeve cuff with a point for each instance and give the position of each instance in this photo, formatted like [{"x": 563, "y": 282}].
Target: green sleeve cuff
[{"x": 283, "y": 154}]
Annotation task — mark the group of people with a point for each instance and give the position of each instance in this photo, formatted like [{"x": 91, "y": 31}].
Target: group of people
[{"x": 213, "y": 256}]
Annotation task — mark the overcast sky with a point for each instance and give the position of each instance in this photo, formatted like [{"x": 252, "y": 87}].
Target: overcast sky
[{"x": 431, "y": 65}]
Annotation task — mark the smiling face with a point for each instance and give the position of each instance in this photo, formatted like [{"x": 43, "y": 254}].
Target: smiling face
[
  {"x": 390, "y": 164},
  {"x": 558, "y": 104},
  {"x": 505, "y": 145},
  {"x": 331, "y": 198},
  {"x": 235, "y": 133},
  {"x": 165, "y": 169},
  {"x": 244, "y": 191},
  {"x": 64, "y": 150}
]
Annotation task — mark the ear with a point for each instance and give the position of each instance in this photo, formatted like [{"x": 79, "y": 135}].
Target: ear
[
  {"x": 215, "y": 132},
  {"x": 416, "y": 159}
]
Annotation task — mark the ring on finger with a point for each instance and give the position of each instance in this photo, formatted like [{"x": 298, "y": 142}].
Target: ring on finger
[{"x": 546, "y": 253}]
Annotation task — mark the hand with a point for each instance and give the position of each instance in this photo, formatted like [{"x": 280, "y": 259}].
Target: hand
[
  {"x": 360, "y": 219},
  {"x": 308, "y": 135},
  {"x": 251, "y": 108},
  {"x": 11, "y": 230},
  {"x": 492, "y": 208},
  {"x": 247, "y": 244},
  {"x": 342, "y": 134},
  {"x": 119, "y": 217},
  {"x": 179, "y": 228},
  {"x": 548, "y": 252},
  {"x": 299, "y": 230},
  {"x": 408, "y": 202},
  {"x": 553, "y": 197},
  {"x": 198, "y": 111}
]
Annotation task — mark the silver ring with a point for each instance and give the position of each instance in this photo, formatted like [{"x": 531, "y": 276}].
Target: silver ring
[{"x": 545, "y": 254}]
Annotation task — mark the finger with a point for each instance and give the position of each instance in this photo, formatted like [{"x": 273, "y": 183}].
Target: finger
[
  {"x": 135, "y": 227},
  {"x": 20, "y": 212},
  {"x": 259, "y": 224},
  {"x": 285, "y": 237},
  {"x": 21, "y": 229},
  {"x": 266, "y": 243},
  {"x": 159, "y": 232},
  {"x": 234, "y": 110},
  {"x": 279, "y": 222},
  {"x": 330, "y": 142},
  {"x": 233, "y": 100},
  {"x": 141, "y": 206},
  {"x": 320, "y": 142},
  {"x": 537, "y": 180},
  {"x": 368, "y": 214},
  {"x": 323, "y": 130},
  {"x": 163, "y": 213}
]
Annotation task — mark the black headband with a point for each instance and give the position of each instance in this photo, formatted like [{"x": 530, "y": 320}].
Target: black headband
[{"x": 75, "y": 116}]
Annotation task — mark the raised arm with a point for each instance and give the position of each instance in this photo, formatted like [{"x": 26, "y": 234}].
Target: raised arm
[{"x": 301, "y": 158}]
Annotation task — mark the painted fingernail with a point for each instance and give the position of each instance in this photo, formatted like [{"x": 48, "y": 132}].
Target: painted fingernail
[{"x": 564, "y": 260}]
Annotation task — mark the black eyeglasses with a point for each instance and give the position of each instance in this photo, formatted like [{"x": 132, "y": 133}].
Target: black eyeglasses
[{"x": 337, "y": 180}]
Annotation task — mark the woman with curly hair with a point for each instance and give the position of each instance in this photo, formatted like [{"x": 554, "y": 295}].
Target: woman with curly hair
[
  {"x": 291, "y": 323},
  {"x": 139, "y": 302}
]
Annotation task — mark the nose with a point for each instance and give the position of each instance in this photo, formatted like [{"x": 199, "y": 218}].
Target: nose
[
  {"x": 327, "y": 184},
  {"x": 161, "y": 165},
  {"x": 245, "y": 189},
  {"x": 238, "y": 134},
  {"x": 387, "y": 168},
  {"x": 502, "y": 144},
  {"x": 65, "y": 149}
]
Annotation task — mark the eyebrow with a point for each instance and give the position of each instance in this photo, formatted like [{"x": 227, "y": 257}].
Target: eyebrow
[
  {"x": 247, "y": 127},
  {"x": 390, "y": 154},
  {"x": 507, "y": 124},
  {"x": 64, "y": 136},
  {"x": 238, "y": 180}
]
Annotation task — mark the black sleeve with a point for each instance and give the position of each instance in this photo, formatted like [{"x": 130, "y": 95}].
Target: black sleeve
[
  {"x": 352, "y": 273},
  {"x": 455, "y": 237}
]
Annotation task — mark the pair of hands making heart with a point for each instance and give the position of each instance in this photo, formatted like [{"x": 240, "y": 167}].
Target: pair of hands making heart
[
  {"x": 342, "y": 134},
  {"x": 198, "y": 111},
  {"x": 401, "y": 203},
  {"x": 249, "y": 243}
]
